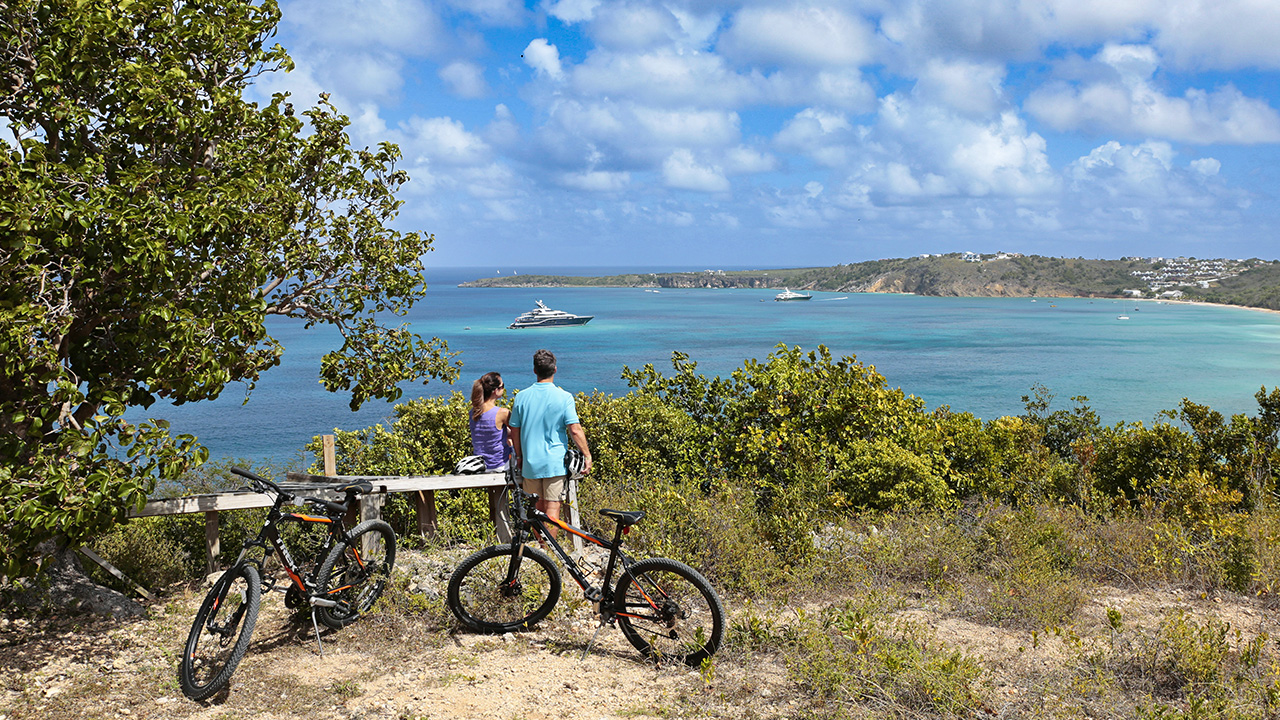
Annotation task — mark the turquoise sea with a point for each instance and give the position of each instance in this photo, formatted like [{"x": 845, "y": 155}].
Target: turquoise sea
[{"x": 975, "y": 354}]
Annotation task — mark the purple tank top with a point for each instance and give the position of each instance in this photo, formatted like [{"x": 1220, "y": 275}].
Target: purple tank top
[{"x": 488, "y": 441}]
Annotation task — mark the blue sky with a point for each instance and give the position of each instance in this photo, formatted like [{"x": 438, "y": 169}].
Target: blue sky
[{"x": 770, "y": 134}]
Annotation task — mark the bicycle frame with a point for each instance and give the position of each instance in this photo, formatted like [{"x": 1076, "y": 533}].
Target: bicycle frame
[
  {"x": 269, "y": 540},
  {"x": 534, "y": 522}
]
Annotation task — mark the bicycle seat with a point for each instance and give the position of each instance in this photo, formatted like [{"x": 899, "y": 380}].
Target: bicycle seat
[
  {"x": 624, "y": 517},
  {"x": 364, "y": 488}
]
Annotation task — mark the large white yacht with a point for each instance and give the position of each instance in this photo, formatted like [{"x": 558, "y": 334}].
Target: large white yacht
[
  {"x": 787, "y": 294},
  {"x": 543, "y": 316}
]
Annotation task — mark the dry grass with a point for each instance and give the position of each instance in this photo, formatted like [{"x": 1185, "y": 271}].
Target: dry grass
[{"x": 899, "y": 643}]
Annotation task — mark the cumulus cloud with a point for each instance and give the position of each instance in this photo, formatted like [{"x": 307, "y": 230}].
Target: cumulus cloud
[
  {"x": 465, "y": 79},
  {"x": 682, "y": 171},
  {"x": 492, "y": 12},
  {"x": 570, "y": 11},
  {"x": 1126, "y": 101},
  {"x": 803, "y": 35},
  {"x": 409, "y": 27},
  {"x": 444, "y": 141},
  {"x": 544, "y": 58},
  {"x": 596, "y": 180},
  {"x": 972, "y": 88},
  {"x": 634, "y": 26}
]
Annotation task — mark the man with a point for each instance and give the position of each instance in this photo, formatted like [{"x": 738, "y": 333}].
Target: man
[{"x": 543, "y": 420}]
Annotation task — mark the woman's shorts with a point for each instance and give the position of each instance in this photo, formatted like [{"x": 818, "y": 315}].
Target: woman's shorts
[{"x": 552, "y": 488}]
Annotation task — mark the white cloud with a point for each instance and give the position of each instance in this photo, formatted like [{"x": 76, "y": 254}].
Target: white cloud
[
  {"x": 402, "y": 26},
  {"x": 1127, "y": 102},
  {"x": 444, "y": 141},
  {"x": 465, "y": 79},
  {"x": 804, "y": 35},
  {"x": 971, "y": 88},
  {"x": 1207, "y": 167},
  {"x": 663, "y": 77},
  {"x": 743, "y": 160},
  {"x": 596, "y": 180},
  {"x": 634, "y": 26},
  {"x": 544, "y": 58},
  {"x": 570, "y": 11},
  {"x": 682, "y": 171},
  {"x": 493, "y": 12}
]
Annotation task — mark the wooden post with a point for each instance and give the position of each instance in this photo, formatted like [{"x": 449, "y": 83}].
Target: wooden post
[
  {"x": 424, "y": 506},
  {"x": 212, "y": 545},
  {"x": 330, "y": 460},
  {"x": 370, "y": 509}
]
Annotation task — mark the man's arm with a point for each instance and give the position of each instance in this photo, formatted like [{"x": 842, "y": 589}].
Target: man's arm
[
  {"x": 579, "y": 439},
  {"x": 514, "y": 436}
]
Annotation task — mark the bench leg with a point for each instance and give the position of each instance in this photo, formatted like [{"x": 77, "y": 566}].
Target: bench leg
[
  {"x": 212, "y": 545},
  {"x": 424, "y": 505}
]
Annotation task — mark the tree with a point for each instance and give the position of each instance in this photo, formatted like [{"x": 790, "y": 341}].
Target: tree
[{"x": 151, "y": 219}]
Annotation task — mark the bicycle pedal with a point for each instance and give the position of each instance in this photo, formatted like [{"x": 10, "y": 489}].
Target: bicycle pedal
[{"x": 593, "y": 594}]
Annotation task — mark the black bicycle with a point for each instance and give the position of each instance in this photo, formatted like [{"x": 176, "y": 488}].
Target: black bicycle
[
  {"x": 666, "y": 609},
  {"x": 350, "y": 570}
]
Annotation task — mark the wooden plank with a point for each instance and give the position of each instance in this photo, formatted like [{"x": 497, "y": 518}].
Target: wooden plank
[
  {"x": 239, "y": 500},
  {"x": 116, "y": 572}
]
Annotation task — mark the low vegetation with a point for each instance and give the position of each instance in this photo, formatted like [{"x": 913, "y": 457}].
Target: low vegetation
[{"x": 884, "y": 560}]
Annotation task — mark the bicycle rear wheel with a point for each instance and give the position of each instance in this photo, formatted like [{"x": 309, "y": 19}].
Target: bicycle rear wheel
[
  {"x": 356, "y": 572},
  {"x": 482, "y": 600},
  {"x": 221, "y": 632},
  {"x": 669, "y": 612}
]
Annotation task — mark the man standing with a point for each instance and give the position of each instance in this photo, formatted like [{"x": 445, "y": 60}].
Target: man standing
[{"x": 543, "y": 420}]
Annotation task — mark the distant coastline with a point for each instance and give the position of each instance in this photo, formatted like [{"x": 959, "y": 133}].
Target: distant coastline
[{"x": 1234, "y": 283}]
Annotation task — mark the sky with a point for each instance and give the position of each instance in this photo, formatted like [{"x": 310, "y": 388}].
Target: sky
[{"x": 714, "y": 134}]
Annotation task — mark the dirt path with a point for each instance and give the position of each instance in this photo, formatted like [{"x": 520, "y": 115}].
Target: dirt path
[{"x": 413, "y": 665}]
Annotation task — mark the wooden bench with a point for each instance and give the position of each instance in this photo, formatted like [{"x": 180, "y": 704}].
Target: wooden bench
[{"x": 422, "y": 487}]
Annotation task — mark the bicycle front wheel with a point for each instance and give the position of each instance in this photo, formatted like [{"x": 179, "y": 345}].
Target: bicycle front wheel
[
  {"x": 482, "y": 599},
  {"x": 356, "y": 572},
  {"x": 221, "y": 632},
  {"x": 669, "y": 612}
]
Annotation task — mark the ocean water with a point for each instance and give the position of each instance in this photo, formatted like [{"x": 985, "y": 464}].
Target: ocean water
[{"x": 979, "y": 355}]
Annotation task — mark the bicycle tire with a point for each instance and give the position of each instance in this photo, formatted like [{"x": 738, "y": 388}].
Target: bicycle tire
[
  {"x": 668, "y": 611},
  {"x": 354, "y": 575},
  {"x": 215, "y": 646},
  {"x": 478, "y": 597}
]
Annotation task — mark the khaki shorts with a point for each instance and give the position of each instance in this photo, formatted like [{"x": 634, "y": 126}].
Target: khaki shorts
[{"x": 552, "y": 488}]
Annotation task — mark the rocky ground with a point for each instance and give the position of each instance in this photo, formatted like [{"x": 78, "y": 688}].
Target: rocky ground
[{"x": 407, "y": 664}]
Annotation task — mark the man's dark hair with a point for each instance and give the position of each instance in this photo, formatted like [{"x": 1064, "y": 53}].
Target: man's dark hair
[{"x": 544, "y": 364}]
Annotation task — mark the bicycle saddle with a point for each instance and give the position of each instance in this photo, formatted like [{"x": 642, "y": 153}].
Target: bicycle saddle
[
  {"x": 363, "y": 488},
  {"x": 624, "y": 517}
]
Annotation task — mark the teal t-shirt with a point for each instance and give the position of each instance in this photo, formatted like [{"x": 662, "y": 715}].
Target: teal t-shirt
[{"x": 543, "y": 413}]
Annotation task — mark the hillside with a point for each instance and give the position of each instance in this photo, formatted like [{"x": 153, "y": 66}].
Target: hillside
[
  {"x": 947, "y": 275},
  {"x": 1250, "y": 283}
]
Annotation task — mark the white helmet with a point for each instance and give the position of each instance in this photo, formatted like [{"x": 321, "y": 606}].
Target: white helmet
[
  {"x": 469, "y": 465},
  {"x": 575, "y": 463}
]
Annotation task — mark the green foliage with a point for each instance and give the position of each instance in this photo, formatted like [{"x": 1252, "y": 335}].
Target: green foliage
[
  {"x": 150, "y": 220},
  {"x": 427, "y": 437}
]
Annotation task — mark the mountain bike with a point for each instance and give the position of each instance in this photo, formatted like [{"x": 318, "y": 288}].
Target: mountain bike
[
  {"x": 666, "y": 609},
  {"x": 351, "y": 568}
]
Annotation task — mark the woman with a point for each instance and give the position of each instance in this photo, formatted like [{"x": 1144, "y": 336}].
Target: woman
[
  {"x": 489, "y": 422},
  {"x": 489, "y": 441}
]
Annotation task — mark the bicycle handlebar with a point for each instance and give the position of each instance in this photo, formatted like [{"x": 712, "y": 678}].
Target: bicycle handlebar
[{"x": 258, "y": 480}]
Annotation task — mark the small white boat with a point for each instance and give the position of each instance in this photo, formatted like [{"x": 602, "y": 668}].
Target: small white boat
[
  {"x": 1122, "y": 317},
  {"x": 787, "y": 295}
]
